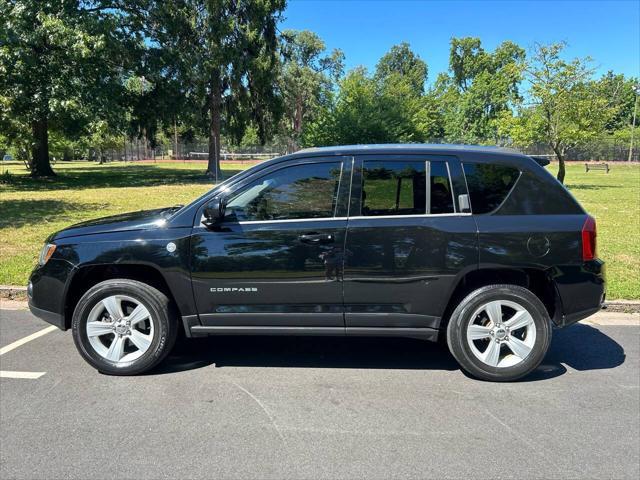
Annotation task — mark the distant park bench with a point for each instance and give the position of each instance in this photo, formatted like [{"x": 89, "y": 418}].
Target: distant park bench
[{"x": 596, "y": 166}]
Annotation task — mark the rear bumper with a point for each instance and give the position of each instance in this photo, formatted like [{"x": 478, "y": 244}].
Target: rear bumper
[
  {"x": 577, "y": 316},
  {"x": 581, "y": 291}
]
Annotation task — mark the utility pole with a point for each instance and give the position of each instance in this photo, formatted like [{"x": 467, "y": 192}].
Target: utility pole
[{"x": 636, "y": 90}]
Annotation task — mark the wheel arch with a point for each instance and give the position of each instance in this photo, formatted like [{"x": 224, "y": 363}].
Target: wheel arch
[
  {"x": 87, "y": 276},
  {"x": 538, "y": 281}
]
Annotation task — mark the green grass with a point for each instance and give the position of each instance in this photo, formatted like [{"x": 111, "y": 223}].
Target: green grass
[
  {"x": 32, "y": 209},
  {"x": 614, "y": 200}
]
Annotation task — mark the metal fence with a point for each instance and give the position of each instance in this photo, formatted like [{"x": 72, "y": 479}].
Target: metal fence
[
  {"x": 133, "y": 151},
  {"x": 600, "y": 150}
]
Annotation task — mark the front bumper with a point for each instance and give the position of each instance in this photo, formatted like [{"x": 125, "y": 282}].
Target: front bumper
[
  {"x": 53, "y": 318},
  {"x": 47, "y": 289}
]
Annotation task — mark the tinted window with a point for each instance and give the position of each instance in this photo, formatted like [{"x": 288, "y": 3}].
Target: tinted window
[
  {"x": 489, "y": 184},
  {"x": 440, "y": 188},
  {"x": 542, "y": 195},
  {"x": 393, "y": 188},
  {"x": 300, "y": 191}
]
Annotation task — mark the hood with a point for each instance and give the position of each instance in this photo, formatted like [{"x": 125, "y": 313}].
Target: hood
[{"x": 141, "y": 220}]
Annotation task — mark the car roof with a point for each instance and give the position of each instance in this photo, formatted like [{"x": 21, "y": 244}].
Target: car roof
[{"x": 405, "y": 148}]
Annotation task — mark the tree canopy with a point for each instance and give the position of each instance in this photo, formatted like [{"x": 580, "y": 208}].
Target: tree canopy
[
  {"x": 61, "y": 68},
  {"x": 565, "y": 107},
  {"x": 78, "y": 75}
]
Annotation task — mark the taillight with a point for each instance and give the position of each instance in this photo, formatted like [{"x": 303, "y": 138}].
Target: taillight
[{"x": 589, "y": 239}]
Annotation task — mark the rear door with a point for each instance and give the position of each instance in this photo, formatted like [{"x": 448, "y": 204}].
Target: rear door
[
  {"x": 276, "y": 258},
  {"x": 408, "y": 240}
]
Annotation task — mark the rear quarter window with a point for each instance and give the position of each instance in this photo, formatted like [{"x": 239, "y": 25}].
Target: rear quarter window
[
  {"x": 540, "y": 194},
  {"x": 489, "y": 184}
]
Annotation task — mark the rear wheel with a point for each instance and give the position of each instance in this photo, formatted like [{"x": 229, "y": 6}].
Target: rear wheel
[
  {"x": 124, "y": 327},
  {"x": 499, "y": 332}
]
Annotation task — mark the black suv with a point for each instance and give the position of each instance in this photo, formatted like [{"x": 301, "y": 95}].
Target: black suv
[{"x": 477, "y": 246}]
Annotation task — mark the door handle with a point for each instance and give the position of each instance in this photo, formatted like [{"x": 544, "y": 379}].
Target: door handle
[{"x": 316, "y": 238}]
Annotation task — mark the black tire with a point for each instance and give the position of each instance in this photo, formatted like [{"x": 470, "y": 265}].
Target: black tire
[
  {"x": 462, "y": 316},
  {"x": 164, "y": 321}
]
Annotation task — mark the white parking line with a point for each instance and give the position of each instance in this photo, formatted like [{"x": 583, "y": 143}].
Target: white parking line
[
  {"x": 18, "y": 343},
  {"x": 22, "y": 341},
  {"x": 13, "y": 374}
]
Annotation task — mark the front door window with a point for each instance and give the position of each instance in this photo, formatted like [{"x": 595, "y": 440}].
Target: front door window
[{"x": 296, "y": 192}]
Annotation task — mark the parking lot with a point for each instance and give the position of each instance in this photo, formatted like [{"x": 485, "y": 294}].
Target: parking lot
[{"x": 271, "y": 407}]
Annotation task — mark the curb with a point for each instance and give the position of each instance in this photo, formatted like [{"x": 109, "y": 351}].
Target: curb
[
  {"x": 13, "y": 292},
  {"x": 623, "y": 306}
]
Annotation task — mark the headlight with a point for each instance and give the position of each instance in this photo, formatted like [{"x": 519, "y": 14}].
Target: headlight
[{"x": 46, "y": 253}]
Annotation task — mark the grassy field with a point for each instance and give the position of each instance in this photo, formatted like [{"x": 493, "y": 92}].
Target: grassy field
[{"x": 31, "y": 209}]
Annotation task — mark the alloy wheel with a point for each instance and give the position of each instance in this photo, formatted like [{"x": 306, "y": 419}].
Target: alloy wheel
[
  {"x": 501, "y": 333},
  {"x": 120, "y": 328}
]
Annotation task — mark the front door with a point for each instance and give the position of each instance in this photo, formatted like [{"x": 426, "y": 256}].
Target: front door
[
  {"x": 276, "y": 258},
  {"x": 407, "y": 241}
]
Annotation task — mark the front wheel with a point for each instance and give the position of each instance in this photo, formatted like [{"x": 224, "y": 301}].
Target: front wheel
[
  {"x": 499, "y": 332},
  {"x": 123, "y": 327}
]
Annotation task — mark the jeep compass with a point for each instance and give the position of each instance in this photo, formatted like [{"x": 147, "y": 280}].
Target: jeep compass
[{"x": 478, "y": 247}]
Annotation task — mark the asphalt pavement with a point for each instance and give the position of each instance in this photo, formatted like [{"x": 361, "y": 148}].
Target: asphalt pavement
[{"x": 275, "y": 407}]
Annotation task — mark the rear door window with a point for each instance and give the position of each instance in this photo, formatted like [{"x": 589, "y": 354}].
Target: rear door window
[
  {"x": 401, "y": 188},
  {"x": 393, "y": 188},
  {"x": 489, "y": 185}
]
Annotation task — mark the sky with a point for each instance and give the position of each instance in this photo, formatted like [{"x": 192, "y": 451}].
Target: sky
[{"x": 607, "y": 31}]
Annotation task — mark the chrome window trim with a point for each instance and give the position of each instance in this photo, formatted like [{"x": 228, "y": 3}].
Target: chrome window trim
[
  {"x": 453, "y": 196},
  {"x": 425, "y": 215},
  {"x": 287, "y": 220},
  {"x": 427, "y": 187},
  {"x": 359, "y": 217}
]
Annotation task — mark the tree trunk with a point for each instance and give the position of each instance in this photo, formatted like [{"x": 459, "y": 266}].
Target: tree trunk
[
  {"x": 297, "y": 126},
  {"x": 40, "y": 162},
  {"x": 175, "y": 140},
  {"x": 215, "y": 106},
  {"x": 561, "y": 167}
]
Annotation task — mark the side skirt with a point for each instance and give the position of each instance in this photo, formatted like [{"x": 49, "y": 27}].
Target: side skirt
[{"x": 420, "y": 333}]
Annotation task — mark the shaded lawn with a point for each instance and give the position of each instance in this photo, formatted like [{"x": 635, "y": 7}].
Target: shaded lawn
[{"x": 31, "y": 209}]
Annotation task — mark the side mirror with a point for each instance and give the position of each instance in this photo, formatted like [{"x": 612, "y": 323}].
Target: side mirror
[{"x": 213, "y": 212}]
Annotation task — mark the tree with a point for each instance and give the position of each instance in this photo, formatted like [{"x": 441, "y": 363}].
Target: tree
[
  {"x": 403, "y": 62},
  {"x": 480, "y": 88},
  {"x": 57, "y": 65},
  {"x": 618, "y": 91},
  {"x": 370, "y": 110},
  {"x": 389, "y": 106},
  {"x": 224, "y": 54},
  {"x": 564, "y": 108},
  {"x": 307, "y": 79}
]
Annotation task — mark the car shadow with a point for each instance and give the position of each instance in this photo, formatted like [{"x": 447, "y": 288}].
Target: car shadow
[
  {"x": 306, "y": 352},
  {"x": 580, "y": 347}
]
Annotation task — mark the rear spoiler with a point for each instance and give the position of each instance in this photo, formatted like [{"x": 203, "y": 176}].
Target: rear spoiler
[{"x": 542, "y": 161}]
